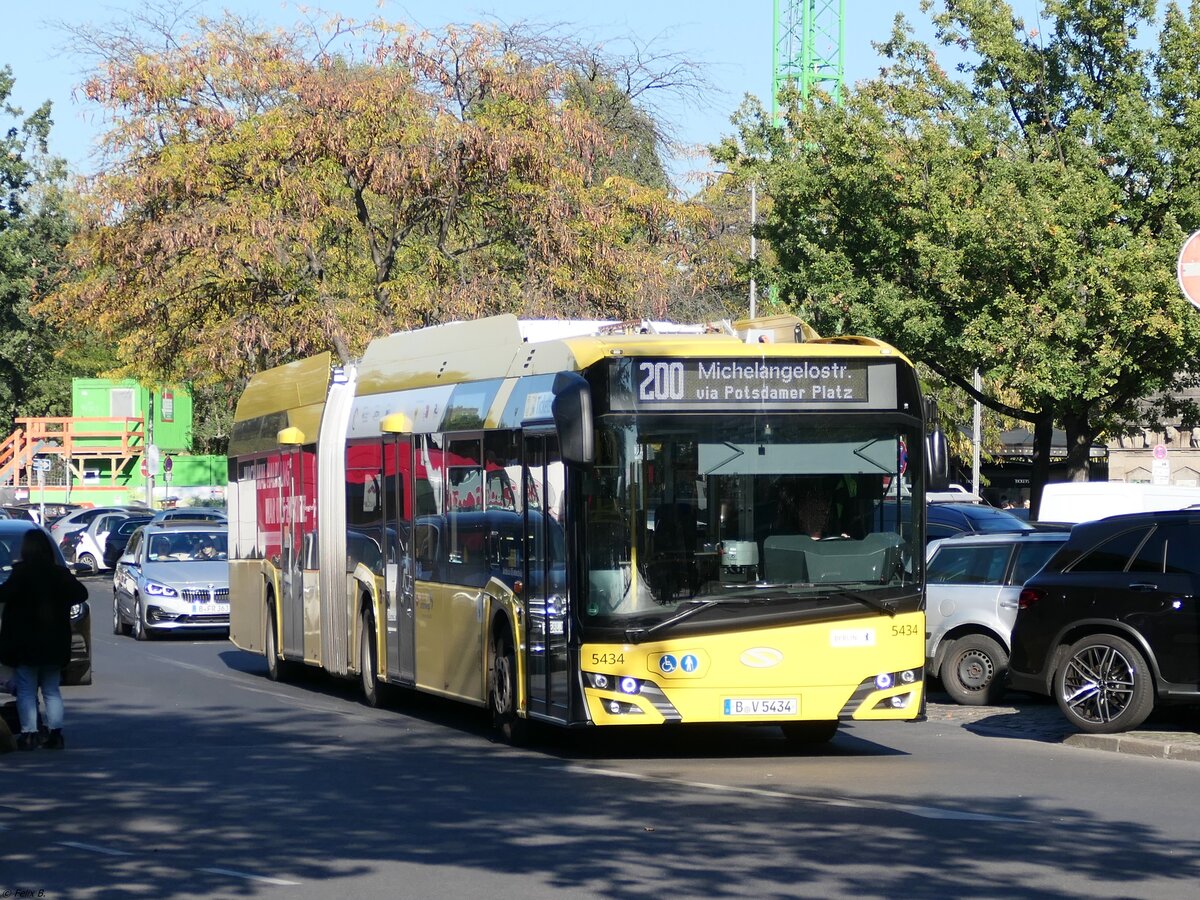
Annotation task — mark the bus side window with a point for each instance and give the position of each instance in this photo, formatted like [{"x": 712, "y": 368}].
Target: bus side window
[
  {"x": 425, "y": 550},
  {"x": 466, "y": 561},
  {"x": 504, "y": 547}
]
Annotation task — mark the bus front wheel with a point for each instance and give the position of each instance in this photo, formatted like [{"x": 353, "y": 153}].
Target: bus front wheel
[{"x": 510, "y": 727}]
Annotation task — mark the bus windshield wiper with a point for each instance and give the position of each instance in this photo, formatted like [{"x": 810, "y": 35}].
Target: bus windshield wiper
[
  {"x": 635, "y": 635},
  {"x": 885, "y": 606}
]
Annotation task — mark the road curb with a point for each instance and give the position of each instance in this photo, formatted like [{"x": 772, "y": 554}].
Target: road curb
[{"x": 1139, "y": 745}]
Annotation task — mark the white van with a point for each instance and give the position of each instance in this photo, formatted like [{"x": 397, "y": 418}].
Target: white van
[{"x": 1083, "y": 501}]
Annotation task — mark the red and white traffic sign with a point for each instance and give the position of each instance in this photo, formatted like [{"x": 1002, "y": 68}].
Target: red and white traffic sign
[{"x": 1188, "y": 269}]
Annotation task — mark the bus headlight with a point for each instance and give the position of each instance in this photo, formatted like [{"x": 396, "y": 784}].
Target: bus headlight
[
  {"x": 617, "y": 708},
  {"x": 626, "y": 684}
]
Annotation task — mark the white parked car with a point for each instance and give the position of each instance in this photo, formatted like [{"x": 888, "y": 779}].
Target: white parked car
[
  {"x": 89, "y": 551},
  {"x": 80, "y": 518}
]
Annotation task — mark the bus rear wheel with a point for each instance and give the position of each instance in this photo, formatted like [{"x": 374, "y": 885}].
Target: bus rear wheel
[
  {"x": 510, "y": 727},
  {"x": 277, "y": 669},
  {"x": 366, "y": 661}
]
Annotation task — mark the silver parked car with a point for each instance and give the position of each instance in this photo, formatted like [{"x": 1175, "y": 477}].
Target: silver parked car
[
  {"x": 173, "y": 577},
  {"x": 974, "y": 581},
  {"x": 201, "y": 513}
]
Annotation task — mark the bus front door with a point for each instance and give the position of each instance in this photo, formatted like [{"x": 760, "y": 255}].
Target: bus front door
[
  {"x": 546, "y": 661},
  {"x": 397, "y": 470}
]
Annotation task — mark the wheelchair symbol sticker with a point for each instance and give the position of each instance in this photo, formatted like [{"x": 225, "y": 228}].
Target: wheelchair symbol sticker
[{"x": 667, "y": 664}]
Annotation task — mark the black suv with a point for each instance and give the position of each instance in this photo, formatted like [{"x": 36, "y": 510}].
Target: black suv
[{"x": 1110, "y": 625}]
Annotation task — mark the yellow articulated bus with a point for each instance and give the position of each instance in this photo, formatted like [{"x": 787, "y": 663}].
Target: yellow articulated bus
[{"x": 592, "y": 523}]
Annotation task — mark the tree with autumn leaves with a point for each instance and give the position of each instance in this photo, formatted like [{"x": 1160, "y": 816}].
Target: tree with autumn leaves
[{"x": 268, "y": 195}]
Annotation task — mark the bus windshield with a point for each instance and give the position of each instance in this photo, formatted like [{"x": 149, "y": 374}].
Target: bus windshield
[{"x": 681, "y": 509}]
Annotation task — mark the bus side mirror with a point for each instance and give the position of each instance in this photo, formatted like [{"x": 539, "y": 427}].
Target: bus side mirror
[
  {"x": 572, "y": 411},
  {"x": 937, "y": 450},
  {"x": 937, "y": 460}
]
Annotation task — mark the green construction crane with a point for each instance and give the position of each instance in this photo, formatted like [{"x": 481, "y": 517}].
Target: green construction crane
[{"x": 809, "y": 38}]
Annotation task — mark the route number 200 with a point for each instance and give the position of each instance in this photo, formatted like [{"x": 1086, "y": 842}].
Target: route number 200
[{"x": 661, "y": 381}]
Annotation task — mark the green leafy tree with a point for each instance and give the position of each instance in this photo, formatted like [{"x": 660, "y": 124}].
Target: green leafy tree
[
  {"x": 36, "y": 362},
  {"x": 1021, "y": 216}
]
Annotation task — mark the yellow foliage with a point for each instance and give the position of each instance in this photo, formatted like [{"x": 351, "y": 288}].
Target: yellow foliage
[{"x": 267, "y": 203}]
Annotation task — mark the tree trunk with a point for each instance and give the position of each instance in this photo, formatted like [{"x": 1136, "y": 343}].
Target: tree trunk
[
  {"x": 1043, "y": 436},
  {"x": 1079, "y": 445}
]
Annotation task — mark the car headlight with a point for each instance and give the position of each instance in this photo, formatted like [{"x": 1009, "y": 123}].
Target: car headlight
[
  {"x": 154, "y": 589},
  {"x": 77, "y": 611}
]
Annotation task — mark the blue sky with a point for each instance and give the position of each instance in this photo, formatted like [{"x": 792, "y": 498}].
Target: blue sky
[{"x": 732, "y": 41}]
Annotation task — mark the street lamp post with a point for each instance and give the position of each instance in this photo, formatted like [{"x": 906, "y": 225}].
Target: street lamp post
[
  {"x": 753, "y": 239},
  {"x": 753, "y": 246}
]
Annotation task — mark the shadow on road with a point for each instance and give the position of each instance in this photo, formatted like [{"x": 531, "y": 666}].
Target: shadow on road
[{"x": 310, "y": 795}]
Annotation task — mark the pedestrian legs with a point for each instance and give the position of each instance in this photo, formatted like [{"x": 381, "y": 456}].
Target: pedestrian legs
[
  {"x": 29, "y": 679},
  {"x": 50, "y": 677},
  {"x": 27, "y": 698}
]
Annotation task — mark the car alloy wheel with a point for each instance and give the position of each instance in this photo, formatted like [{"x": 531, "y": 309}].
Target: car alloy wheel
[
  {"x": 88, "y": 560},
  {"x": 1104, "y": 685}
]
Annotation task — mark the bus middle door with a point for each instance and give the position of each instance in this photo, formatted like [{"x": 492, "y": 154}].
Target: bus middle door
[{"x": 400, "y": 565}]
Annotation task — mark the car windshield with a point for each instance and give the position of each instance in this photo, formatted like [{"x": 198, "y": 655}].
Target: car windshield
[
  {"x": 129, "y": 526},
  {"x": 187, "y": 546},
  {"x": 683, "y": 509}
]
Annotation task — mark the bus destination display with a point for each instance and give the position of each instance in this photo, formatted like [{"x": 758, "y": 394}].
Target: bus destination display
[{"x": 695, "y": 384}]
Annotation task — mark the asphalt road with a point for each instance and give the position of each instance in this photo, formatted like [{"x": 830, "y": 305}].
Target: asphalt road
[{"x": 189, "y": 774}]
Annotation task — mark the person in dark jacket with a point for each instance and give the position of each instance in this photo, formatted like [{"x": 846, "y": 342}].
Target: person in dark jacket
[{"x": 35, "y": 634}]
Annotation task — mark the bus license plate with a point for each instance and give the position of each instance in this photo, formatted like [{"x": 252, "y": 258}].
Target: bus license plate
[{"x": 762, "y": 706}]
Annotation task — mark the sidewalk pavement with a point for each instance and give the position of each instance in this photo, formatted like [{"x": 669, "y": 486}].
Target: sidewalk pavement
[{"x": 1170, "y": 733}]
